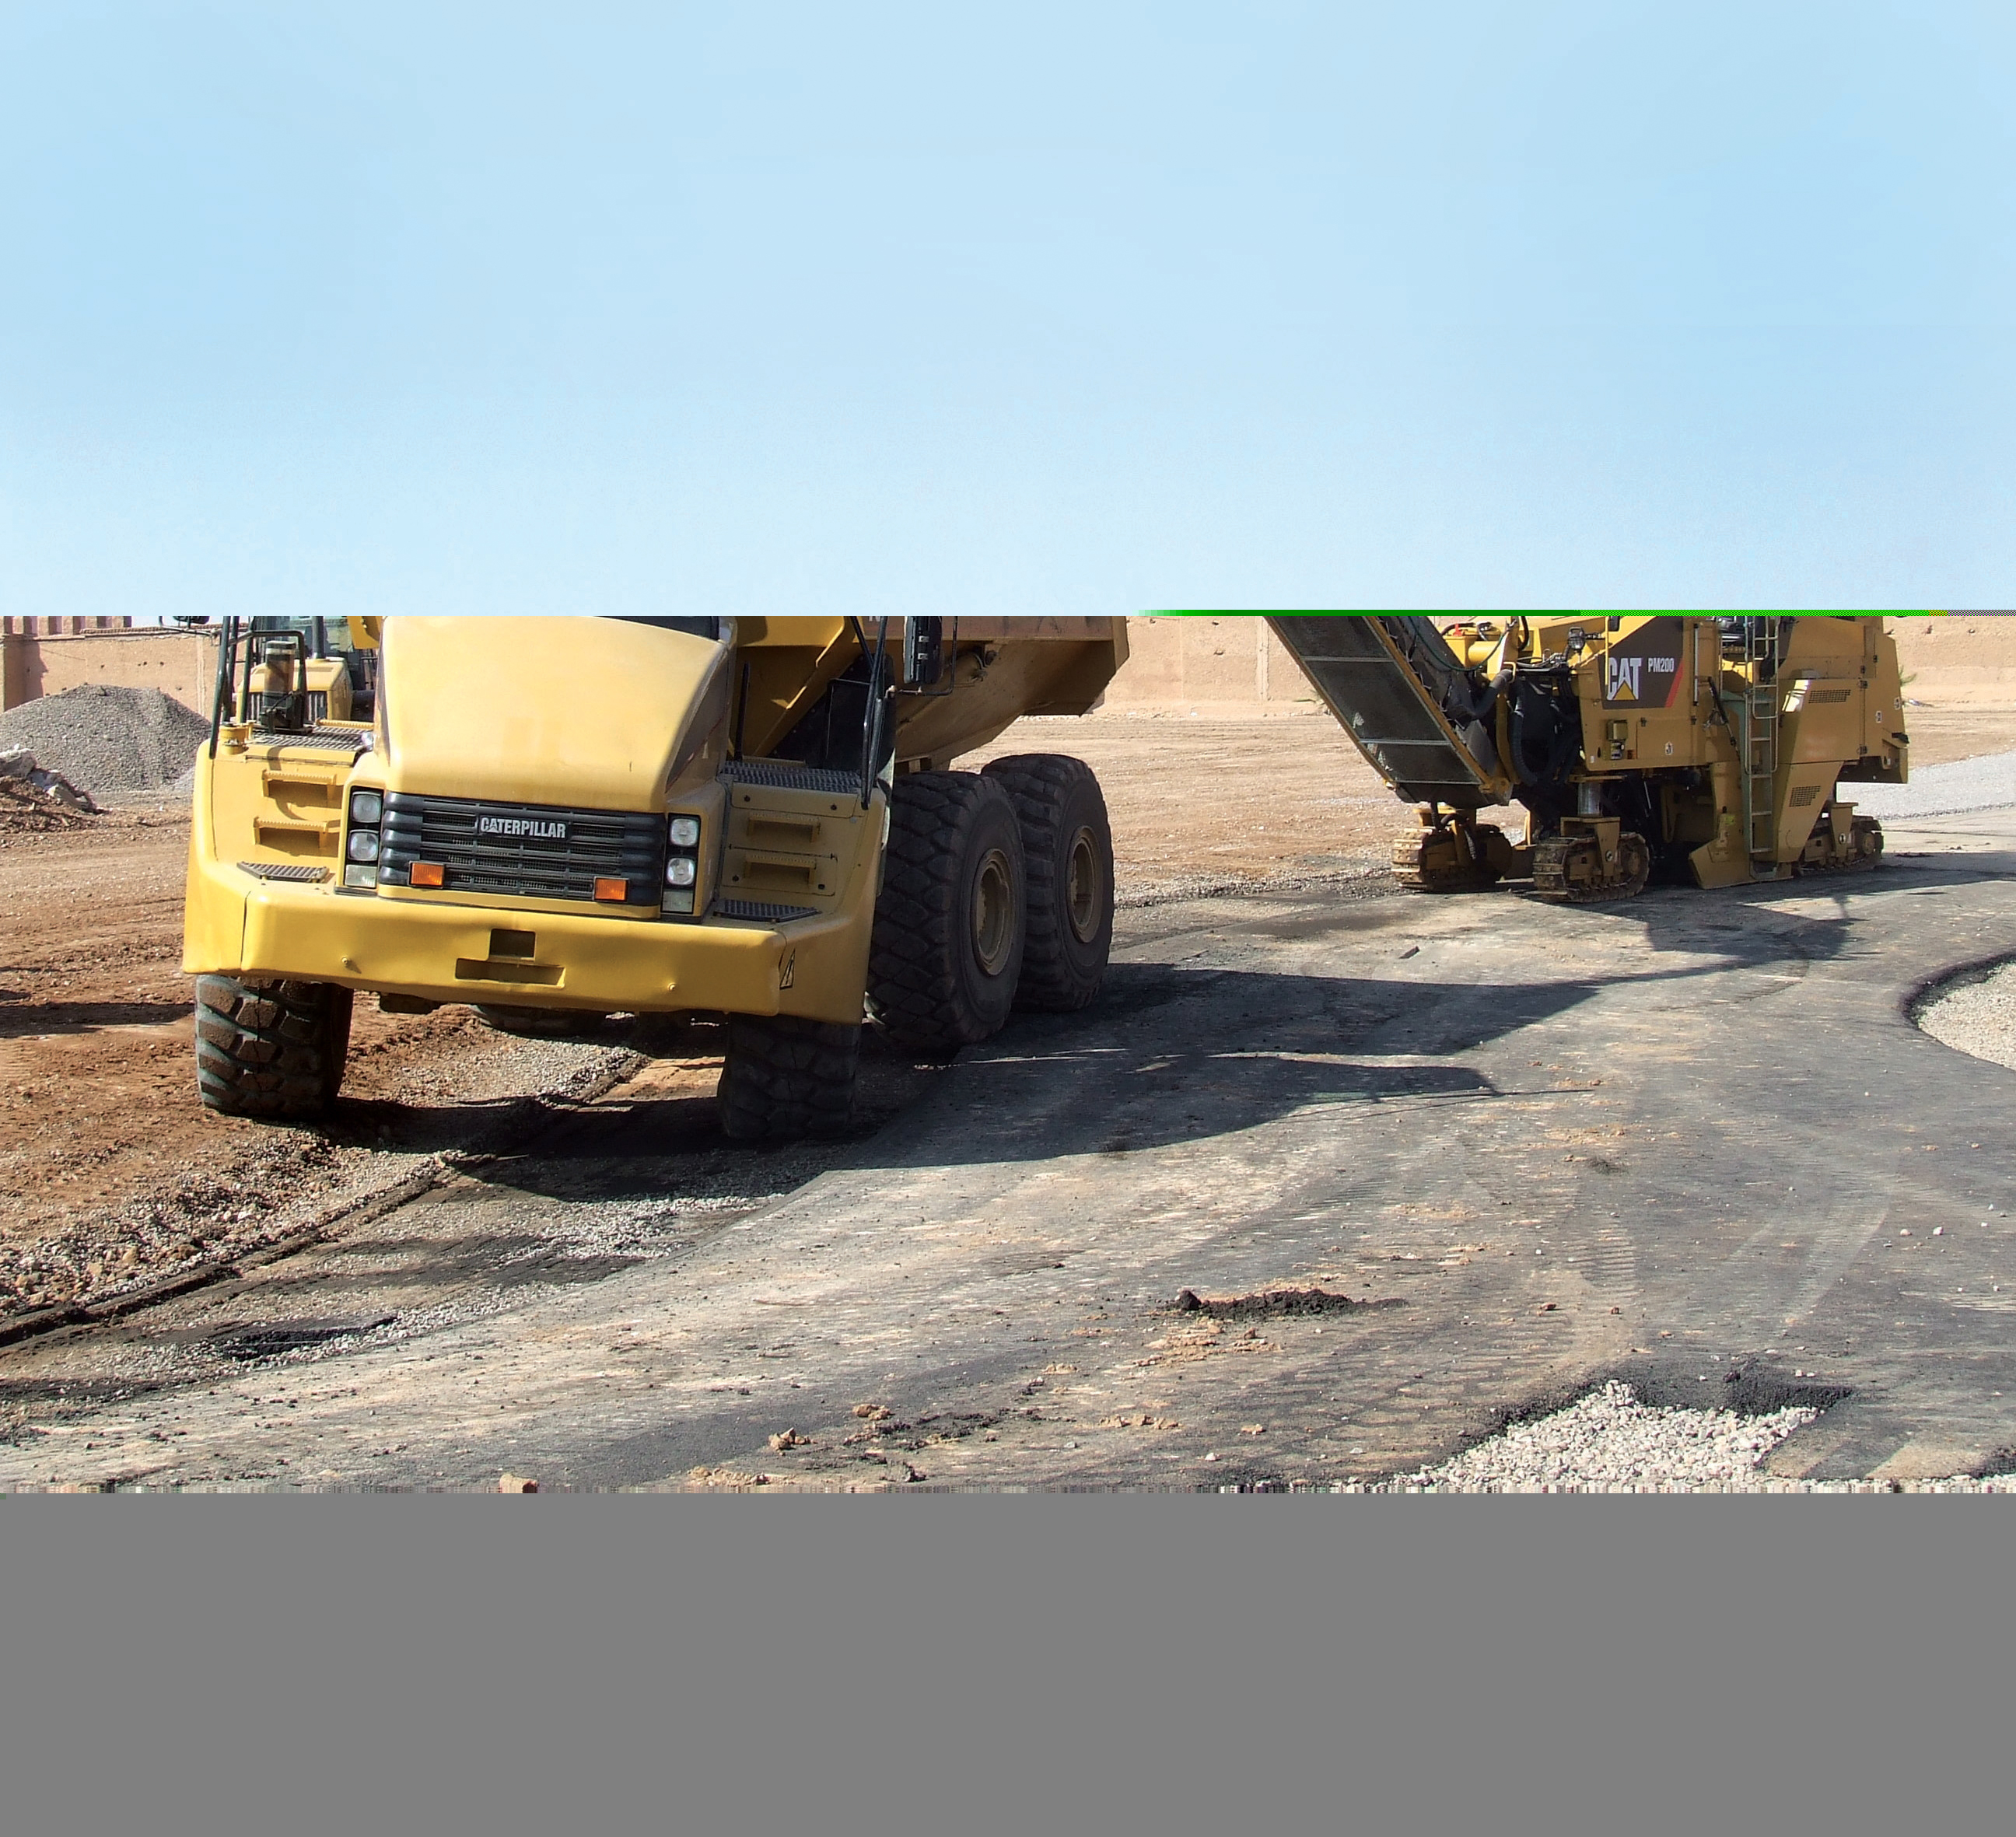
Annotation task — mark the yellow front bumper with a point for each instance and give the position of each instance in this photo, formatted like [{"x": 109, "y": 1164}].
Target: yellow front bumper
[{"x": 239, "y": 925}]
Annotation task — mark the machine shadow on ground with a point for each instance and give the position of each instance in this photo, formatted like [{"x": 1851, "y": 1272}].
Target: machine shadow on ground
[
  {"x": 20, "y": 1016},
  {"x": 1241, "y": 1011},
  {"x": 1170, "y": 1057}
]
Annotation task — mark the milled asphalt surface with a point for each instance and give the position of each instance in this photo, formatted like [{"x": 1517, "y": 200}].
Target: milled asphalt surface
[{"x": 1693, "y": 1143}]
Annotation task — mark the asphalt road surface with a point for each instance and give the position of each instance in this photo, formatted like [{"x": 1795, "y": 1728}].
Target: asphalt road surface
[{"x": 1496, "y": 1153}]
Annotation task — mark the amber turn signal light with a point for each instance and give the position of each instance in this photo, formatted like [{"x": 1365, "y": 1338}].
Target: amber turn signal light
[
  {"x": 612, "y": 892},
  {"x": 429, "y": 874}
]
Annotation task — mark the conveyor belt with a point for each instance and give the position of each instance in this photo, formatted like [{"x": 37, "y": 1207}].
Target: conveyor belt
[{"x": 1358, "y": 663}]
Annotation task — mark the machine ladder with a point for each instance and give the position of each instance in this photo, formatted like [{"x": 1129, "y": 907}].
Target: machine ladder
[{"x": 1761, "y": 657}]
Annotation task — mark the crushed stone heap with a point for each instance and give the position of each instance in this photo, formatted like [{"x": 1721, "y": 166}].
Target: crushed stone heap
[{"x": 108, "y": 739}]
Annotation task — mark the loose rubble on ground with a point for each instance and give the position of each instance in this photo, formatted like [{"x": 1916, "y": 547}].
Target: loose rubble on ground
[
  {"x": 34, "y": 802},
  {"x": 24, "y": 776}
]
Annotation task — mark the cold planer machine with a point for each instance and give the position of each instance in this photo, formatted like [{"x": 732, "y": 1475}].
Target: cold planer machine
[{"x": 1705, "y": 749}]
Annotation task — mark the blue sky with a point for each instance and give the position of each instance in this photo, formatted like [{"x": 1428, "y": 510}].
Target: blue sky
[{"x": 492, "y": 308}]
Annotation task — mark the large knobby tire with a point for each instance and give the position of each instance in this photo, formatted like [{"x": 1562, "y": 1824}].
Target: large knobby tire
[
  {"x": 1067, "y": 845},
  {"x": 272, "y": 1049},
  {"x": 784, "y": 1078},
  {"x": 952, "y": 919}
]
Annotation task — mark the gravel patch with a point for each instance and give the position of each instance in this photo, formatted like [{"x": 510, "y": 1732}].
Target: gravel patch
[
  {"x": 1984, "y": 783},
  {"x": 1609, "y": 1439},
  {"x": 107, "y": 739},
  {"x": 1976, "y": 1015},
  {"x": 1355, "y": 881},
  {"x": 511, "y": 1065},
  {"x": 1610, "y": 1442}
]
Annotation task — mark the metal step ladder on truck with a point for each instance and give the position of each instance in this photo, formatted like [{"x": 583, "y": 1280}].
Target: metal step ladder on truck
[
  {"x": 554, "y": 819},
  {"x": 1702, "y": 750}
]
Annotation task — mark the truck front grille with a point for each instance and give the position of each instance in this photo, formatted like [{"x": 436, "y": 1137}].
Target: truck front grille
[{"x": 524, "y": 850}]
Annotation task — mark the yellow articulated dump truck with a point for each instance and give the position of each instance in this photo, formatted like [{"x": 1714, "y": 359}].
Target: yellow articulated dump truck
[
  {"x": 1704, "y": 749},
  {"x": 554, "y": 820}
]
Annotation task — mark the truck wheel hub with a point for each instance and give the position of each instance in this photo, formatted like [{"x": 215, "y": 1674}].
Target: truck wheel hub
[
  {"x": 1081, "y": 888},
  {"x": 993, "y": 912}
]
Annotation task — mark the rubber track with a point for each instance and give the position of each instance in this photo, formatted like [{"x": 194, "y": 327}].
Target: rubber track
[
  {"x": 785, "y": 1078},
  {"x": 1865, "y": 829},
  {"x": 1409, "y": 870},
  {"x": 1550, "y": 880},
  {"x": 1037, "y": 784},
  {"x": 912, "y": 972},
  {"x": 274, "y": 1052}
]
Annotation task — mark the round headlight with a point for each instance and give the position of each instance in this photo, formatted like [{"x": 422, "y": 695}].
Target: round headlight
[
  {"x": 366, "y": 807},
  {"x": 681, "y": 872},
  {"x": 684, "y": 832},
  {"x": 364, "y": 845}
]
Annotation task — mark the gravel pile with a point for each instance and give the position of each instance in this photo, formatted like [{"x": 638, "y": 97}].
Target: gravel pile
[
  {"x": 1985, "y": 783},
  {"x": 107, "y": 739},
  {"x": 1977, "y": 1016},
  {"x": 1609, "y": 1439}
]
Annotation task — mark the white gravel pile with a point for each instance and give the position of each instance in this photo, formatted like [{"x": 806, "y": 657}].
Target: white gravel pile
[
  {"x": 1977, "y": 1017},
  {"x": 108, "y": 739},
  {"x": 1609, "y": 1439},
  {"x": 1985, "y": 783}
]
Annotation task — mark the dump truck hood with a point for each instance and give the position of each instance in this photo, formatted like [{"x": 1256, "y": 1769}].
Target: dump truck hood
[{"x": 595, "y": 713}]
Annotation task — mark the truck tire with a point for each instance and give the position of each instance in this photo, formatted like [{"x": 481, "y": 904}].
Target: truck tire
[
  {"x": 1068, "y": 844},
  {"x": 271, "y": 1050},
  {"x": 785, "y": 1078},
  {"x": 951, "y": 922}
]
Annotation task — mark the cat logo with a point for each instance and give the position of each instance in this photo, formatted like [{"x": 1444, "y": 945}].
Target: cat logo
[
  {"x": 789, "y": 974},
  {"x": 1642, "y": 669}
]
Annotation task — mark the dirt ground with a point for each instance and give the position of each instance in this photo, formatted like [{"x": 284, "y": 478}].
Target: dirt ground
[
  {"x": 1941, "y": 734},
  {"x": 109, "y": 1167},
  {"x": 110, "y": 1170},
  {"x": 1198, "y": 803}
]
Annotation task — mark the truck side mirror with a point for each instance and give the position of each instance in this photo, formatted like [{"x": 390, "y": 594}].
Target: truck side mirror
[{"x": 923, "y": 652}]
